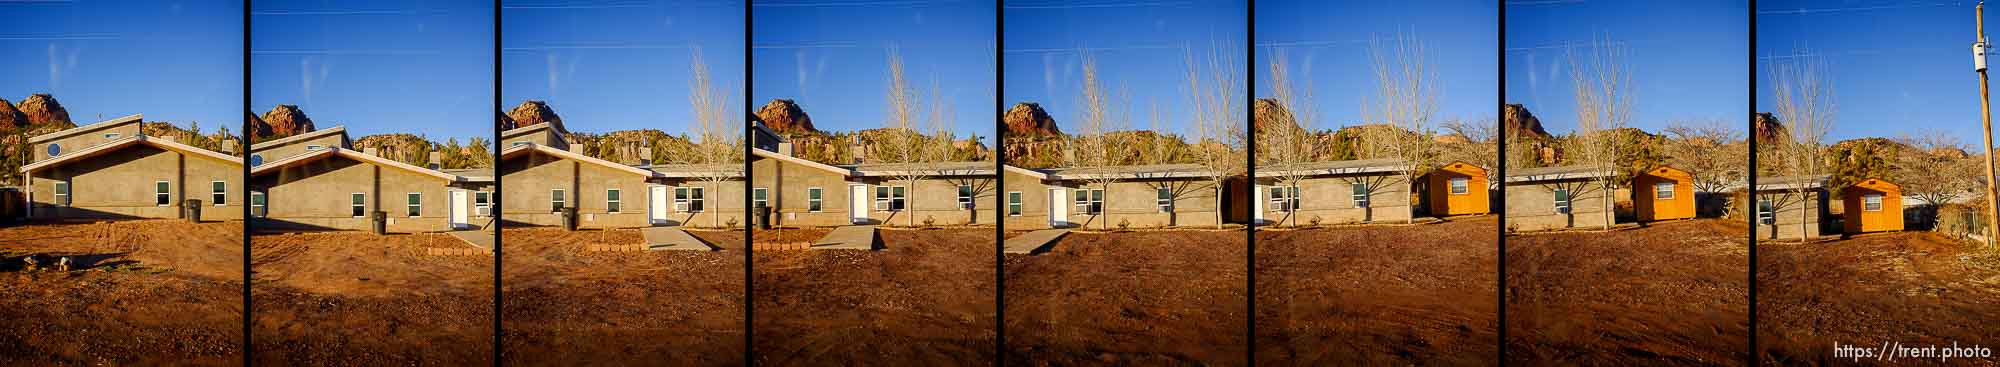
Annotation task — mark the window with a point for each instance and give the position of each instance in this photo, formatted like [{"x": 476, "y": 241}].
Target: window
[
  {"x": 1013, "y": 203},
  {"x": 760, "y": 197},
  {"x": 889, "y": 198},
  {"x": 257, "y": 206},
  {"x": 433, "y": 166},
  {"x": 1360, "y": 195},
  {"x": 1089, "y": 201},
  {"x": 416, "y": 204},
  {"x": 1871, "y": 202},
  {"x": 359, "y": 204},
  {"x": 687, "y": 199},
  {"x": 162, "y": 193},
  {"x": 110, "y": 135},
  {"x": 482, "y": 203},
  {"x": 1285, "y": 198},
  {"x": 557, "y": 200},
  {"x": 1766, "y": 213},
  {"x": 62, "y": 193},
  {"x": 611, "y": 204},
  {"x": 812, "y": 199},
  {"x": 218, "y": 192},
  {"x": 965, "y": 196},
  {"x": 518, "y": 143},
  {"x": 1663, "y": 190},
  {"x": 1164, "y": 198},
  {"x": 1562, "y": 201},
  {"x": 256, "y": 160},
  {"x": 311, "y": 148},
  {"x": 55, "y": 149},
  {"x": 1460, "y": 185}
]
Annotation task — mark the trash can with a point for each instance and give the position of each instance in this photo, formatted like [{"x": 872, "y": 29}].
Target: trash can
[
  {"x": 191, "y": 210},
  {"x": 761, "y": 217},
  {"x": 568, "y": 219},
  {"x": 378, "y": 222}
]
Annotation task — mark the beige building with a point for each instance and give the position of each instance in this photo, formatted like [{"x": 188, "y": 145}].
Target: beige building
[
  {"x": 1780, "y": 200},
  {"x": 1146, "y": 196},
  {"x": 1557, "y": 197},
  {"x": 111, "y": 170},
  {"x": 316, "y": 181},
  {"x": 812, "y": 194},
  {"x": 1352, "y": 191}
]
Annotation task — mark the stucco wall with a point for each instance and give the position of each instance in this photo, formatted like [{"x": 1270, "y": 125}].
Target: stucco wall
[
  {"x": 288, "y": 150},
  {"x": 85, "y": 140},
  {"x": 1531, "y": 206},
  {"x": 1136, "y": 202},
  {"x": 317, "y": 195},
  {"x": 121, "y": 184},
  {"x": 1034, "y": 202},
  {"x": 936, "y": 199},
  {"x": 1331, "y": 198},
  {"x": 787, "y": 184},
  {"x": 1786, "y": 221},
  {"x": 530, "y": 179}
]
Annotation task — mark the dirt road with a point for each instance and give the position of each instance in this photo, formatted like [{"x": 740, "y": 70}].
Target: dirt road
[
  {"x": 1173, "y": 297},
  {"x": 144, "y": 293},
  {"x": 1379, "y": 295},
  {"x": 1913, "y": 288},
  {"x": 1673, "y": 293},
  {"x": 925, "y": 299}
]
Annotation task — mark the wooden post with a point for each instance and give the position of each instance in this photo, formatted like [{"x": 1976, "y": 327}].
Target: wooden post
[{"x": 1986, "y": 113}]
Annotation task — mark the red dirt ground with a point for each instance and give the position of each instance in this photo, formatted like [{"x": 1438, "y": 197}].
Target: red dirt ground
[
  {"x": 354, "y": 298},
  {"x": 1171, "y": 297},
  {"x": 143, "y": 293},
  {"x": 926, "y": 299},
  {"x": 1913, "y": 288},
  {"x": 1673, "y": 293},
  {"x": 566, "y": 306},
  {"x": 1379, "y": 295}
]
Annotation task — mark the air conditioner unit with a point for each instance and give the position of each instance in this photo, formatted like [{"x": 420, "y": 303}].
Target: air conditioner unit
[{"x": 484, "y": 211}]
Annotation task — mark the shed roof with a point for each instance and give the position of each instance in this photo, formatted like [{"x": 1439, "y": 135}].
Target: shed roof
[
  {"x": 37, "y": 139},
  {"x": 1558, "y": 173},
  {"x": 520, "y": 149},
  {"x": 298, "y": 138},
  {"x": 122, "y": 143}
]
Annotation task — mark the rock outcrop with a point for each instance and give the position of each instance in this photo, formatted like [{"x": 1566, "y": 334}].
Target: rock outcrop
[
  {"x": 532, "y": 112},
  {"x": 1268, "y": 111},
  {"x": 283, "y": 120},
  {"x": 1028, "y": 119},
  {"x": 42, "y": 109},
  {"x": 785, "y": 116},
  {"x": 11, "y": 119},
  {"x": 1768, "y": 129},
  {"x": 1519, "y": 122}
]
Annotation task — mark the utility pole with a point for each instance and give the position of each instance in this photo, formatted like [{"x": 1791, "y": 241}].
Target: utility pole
[{"x": 1986, "y": 114}]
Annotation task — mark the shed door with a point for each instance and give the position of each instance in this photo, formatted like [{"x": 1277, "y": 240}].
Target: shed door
[
  {"x": 1058, "y": 208},
  {"x": 857, "y": 203},
  {"x": 459, "y": 207},
  {"x": 656, "y": 204}
]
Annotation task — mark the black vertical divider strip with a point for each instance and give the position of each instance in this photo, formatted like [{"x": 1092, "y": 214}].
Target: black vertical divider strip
[
  {"x": 244, "y": 153},
  {"x": 1000, "y": 185},
  {"x": 499, "y": 333},
  {"x": 1250, "y": 179},
  {"x": 1751, "y": 80},
  {"x": 1500, "y": 226},
  {"x": 750, "y": 118}
]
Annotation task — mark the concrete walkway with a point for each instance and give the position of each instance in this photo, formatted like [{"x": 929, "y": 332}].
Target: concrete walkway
[
  {"x": 1034, "y": 241},
  {"x": 477, "y": 238},
  {"x": 673, "y": 238},
  {"x": 848, "y": 238}
]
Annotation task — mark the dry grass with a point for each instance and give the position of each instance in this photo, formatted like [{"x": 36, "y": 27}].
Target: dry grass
[
  {"x": 1137, "y": 298},
  {"x": 567, "y": 306},
  {"x": 1674, "y": 293},
  {"x": 1345, "y": 296},
  {"x": 926, "y": 299},
  {"x": 354, "y": 298},
  {"x": 1914, "y": 288}
]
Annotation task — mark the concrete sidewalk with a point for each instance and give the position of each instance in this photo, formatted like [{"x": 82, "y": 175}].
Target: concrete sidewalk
[
  {"x": 1034, "y": 241},
  {"x": 848, "y": 238},
  {"x": 477, "y": 238},
  {"x": 673, "y": 239}
]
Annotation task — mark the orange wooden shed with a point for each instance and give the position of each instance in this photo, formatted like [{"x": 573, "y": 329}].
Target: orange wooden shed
[
  {"x": 1872, "y": 205},
  {"x": 1663, "y": 193},
  {"x": 1457, "y": 188}
]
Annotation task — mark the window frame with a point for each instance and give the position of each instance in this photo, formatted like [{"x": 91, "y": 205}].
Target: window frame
[
  {"x": 112, "y": 136},
  {"x": 965, "y": 195},
  {"x": 163, "y": 193},
  {"x": 891, "y": 198},
  {"x": 558, "y": 199},
  {"x": 482, "y": 203},
  {"x": 1163, "y": 198},
  {"x": 1087, "y": 201},
  {"x": 218, "y": 192},
  {"x": 1563, "y": 200},
  {"x": 1014, "y": 203},
  {"x": 413, "y": 204},
  {"x": 61, "y": 191},
  {"x": 814, "y": 199},
  {"x": 1460, "y": 185},
  {"x": 760, "y": 197},
  {"x": 358, "y": 204},
  {"x": 259, "y": 204},
  {"x": 1361, "y": 195},
  {"x": 1877, "y": 202},
  {"x": 688, "y": 199},
  {"x": 315, "y": 147},
  {"x": 256, "y": 160},
  {"x": 614, "y": 201},
  {"x": 1664, "y": 195},
  {"x": 53, "y": 149},
  {"x": 1767, "y": 212}
]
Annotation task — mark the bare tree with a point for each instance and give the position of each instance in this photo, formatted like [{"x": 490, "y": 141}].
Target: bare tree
[
  {"x": 1480, "y": 146},
  {"x": 1216, "y": 93},
  {"x": 1602, "y": 84},
  {"x": 1094, "y": 144},
  {"x": 906, "y": 143},
  {"x": 1711, "y": 151},
  {"x": 1406, "y": 93},
  {"x": 1936, "y": 169},
  {"x": 1287, "y": 148},
  {"x": 1804, "y": 102},
  {"x": 718, "y": 147}
]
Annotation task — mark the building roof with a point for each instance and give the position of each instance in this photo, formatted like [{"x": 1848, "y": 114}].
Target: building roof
[
  {"x": 761, "y": 153},
  {"x": 1037, "y": 174},
  {"x": 298, "y": 138},
  {"x": 521, "y": 148},
  {"x": 1788, "y": 183},
  {"x": 1558, "y": 173},
  {"x": 115, "y": 145},
  {"x": 1139, "y": 172},
  {"x": 698, "y": 170},
  {"x": 931, "y": 169},
  {"x": 268, "y": 167},
  {"x": 87, "y": 128},
  {"x": 1346, "y": 167},
  {"x": 472, "y": 174},
  {"x": 526, "y": 129}
]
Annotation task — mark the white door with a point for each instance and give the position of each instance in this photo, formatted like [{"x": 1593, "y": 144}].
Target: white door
[
  {"x": 459, "y": 207},
  {"x": 857, "y": 203},
  {"x": 656, "y": 204},
  {"x": 1257, "y": 204},
  {"x": 1058, "y": 208}
]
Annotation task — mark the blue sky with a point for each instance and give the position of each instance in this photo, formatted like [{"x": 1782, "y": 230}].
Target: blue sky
[
  {"x": 831, "y": 57},
  {"x": 1326, "y": 47},
  {"x": 1686, "y": 58},
  {"x": 621, "y": 65},
  {"x": 1138, "y": 46},
  {"x": 377, "y": 66},
  {"x": 179, "y": 61},
  {"x": 1895, "y": 66}
]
